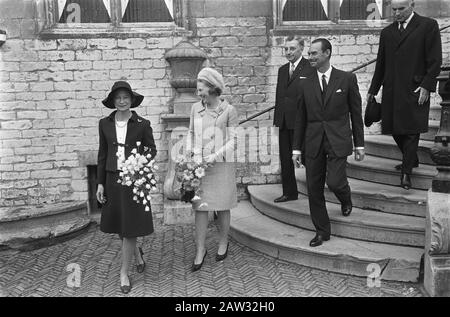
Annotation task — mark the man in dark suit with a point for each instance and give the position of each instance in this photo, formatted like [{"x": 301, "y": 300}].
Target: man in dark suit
[
  {"x": 408, "y": 62},
  {"x": 329, "y": 98},
  {"x": 290, "y": 76}
]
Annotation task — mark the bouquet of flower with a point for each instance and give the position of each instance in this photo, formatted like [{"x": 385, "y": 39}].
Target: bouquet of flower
[
  {"x": 138, "y": 170},
  {"x": 190, "y": 171}
]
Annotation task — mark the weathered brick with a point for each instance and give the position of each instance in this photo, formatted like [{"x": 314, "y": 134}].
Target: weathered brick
[
  {"x": 50, "y": 104},
  {"x": 55, "y": 76},
  {"x": 239, "y": 51},
  {"x": 13, "y": 193},
  {"x": 132, "y": 43},
  {"x": 78, "y": 65},
  {"x": 32, "y": 115},
  {"x": 79, "y": 185},
  {"x": 160, "y": 63},
  {"x": 6, "y": 167},
  {"x": 51, "y": 173},
  {"x": 12, "y": 134},
  {"x": 146, "y": 53},
  {"x": 107, "y": 65},
  {"x": 34, "y": 133},
  {"x": 87, "y": 55},
  {"x": 238, "y": 71},
  {"x": 71, "y": 44},
  {"x": 53, "y": 182},
  {"x": 13, "y": 87},
  {"x": 23, "y": 76},
  {"x": 222, "y": 31},
  {"x": 56, "y": 55},
  {"x": 73, "y": 86},
  {"x": 15, "y": 175},
  {"x": 9, "y": 67},
  {"x": 20, "y": 56},
  {"x": 32, "y": 166},
  {"x": 64, "y": 114},
  {"x": 254, "y": 61},
  {"x": 16, "y": 125},
  {"x": 254, "y": 41},
  {"x": 243, "y": 90},
  {"x": 32, "y": 150},
  {"x": 56, "y": 67},
  {"x": 12, "y": 159},
  {"x": 354, "y": 49},
  {"x": 25, "y": 183},
  {"x": 154, "y": 73},
  {"x": 44, "y": 141},
  {"x": 117, "y": 54},
  {"x": 161, "y": 42},
  {"x": 79, "y": 122},
  {"x": 40, "y": 45},
  {"x": 60, "y": 164},
  {"x": 45, "y": 86},
  {"x": 126, "y": 74},
  {"x": 10, "y": 115},
  {"x": 102, "y": 44},
  {"x": 48, "y": 124},
  {"x": 60, "y": 95},
  {"x": 137, "y": 64},
  {"x": 228, "y": 61},
  {"x": 33, "y": 66}
]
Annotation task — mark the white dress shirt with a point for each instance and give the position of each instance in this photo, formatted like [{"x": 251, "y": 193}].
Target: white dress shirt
[{"x": 406, "y": 22}]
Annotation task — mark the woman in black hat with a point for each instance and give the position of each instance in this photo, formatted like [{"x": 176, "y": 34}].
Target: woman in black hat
[{"x": 119, "y": 133}]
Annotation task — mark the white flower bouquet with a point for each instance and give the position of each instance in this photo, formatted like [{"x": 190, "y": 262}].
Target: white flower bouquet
[
  {"x": 138, "y": 171},
  {"x": 190, "y": 172}
]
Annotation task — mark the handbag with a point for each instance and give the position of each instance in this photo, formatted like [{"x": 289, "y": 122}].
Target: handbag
[{"x": 373, "y": 112}]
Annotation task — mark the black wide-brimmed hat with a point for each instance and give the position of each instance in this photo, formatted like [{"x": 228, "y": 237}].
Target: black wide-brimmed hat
[
  {"x": 373, "y": 112},
  {"x": 137, "y": 98}
]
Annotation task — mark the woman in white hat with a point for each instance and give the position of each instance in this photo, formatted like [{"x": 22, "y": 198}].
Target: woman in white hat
[
  {"x": 120, "y": 132},
  {"x": 211, "y": 133}
]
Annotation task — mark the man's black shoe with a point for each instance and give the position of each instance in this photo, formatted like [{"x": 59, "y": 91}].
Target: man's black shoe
[
  {"x": 400, "y": 166},
  {"x": 346, "y": 209},
  {"x": 318, "y": 240},
  {"x": 284, "y": 198},
  {"x": 406, "y": 181}
]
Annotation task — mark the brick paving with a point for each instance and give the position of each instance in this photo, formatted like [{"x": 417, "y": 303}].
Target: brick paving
[{"x": 169, "y": 252}]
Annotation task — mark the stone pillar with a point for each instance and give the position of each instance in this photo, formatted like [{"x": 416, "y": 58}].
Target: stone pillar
[
  {"x": 437, "y": 245},
  {"x": 185, "y": 61}
]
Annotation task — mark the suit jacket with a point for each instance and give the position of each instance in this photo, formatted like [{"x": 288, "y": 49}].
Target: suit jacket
[
  {"x": 404, "y": 62},
  {"x": 332, "y": 117},
  {"x": 138, "y": 129},
  {"x": 287, "y": 93}
]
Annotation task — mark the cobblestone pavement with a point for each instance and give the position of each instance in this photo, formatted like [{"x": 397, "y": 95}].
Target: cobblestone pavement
[{"x": 169, "y": 253}]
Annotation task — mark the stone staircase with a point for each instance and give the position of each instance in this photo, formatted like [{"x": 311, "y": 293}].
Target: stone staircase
[{"x": 386, "y": 227}]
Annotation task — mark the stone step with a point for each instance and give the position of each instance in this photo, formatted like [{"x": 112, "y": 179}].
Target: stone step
[
  {"x": 367, "y": 225},
  {"x": 435, "y": 112},
  {"x": 385, "y": 146},
  {"x": 28, "y": 227},
  {"x": 433, "y": 128},
  {"x": 380, "y": 197},
  {"x": 340, "y": 255},
  {"x": 382, "y": 170}
]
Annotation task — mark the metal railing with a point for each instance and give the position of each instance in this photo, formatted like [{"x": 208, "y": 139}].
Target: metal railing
[{"x": 352, "y": 71}]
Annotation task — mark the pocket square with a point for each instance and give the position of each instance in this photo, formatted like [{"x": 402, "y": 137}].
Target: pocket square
[
  {"x": 301, "y": 77},
  {"x": 338, "y": 91}
]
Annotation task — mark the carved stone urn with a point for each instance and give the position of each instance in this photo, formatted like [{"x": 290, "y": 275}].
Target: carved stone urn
[
  {"x": 437, "y": 245},
  {"x": 185, "y": 61}
]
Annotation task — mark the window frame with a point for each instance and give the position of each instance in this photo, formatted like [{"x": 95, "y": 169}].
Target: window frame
[
  {"x": 328, "y": 25},
  {"x": 48, "y": 16}
]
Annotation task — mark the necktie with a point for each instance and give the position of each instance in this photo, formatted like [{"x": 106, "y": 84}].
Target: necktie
[
  {"x": 291, "y": 70},
  {"x": 324, "y": 85},
  {"x": 402, "y": 28}
]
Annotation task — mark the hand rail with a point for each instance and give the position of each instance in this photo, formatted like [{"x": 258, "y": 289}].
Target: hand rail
[{"x": 352, "y": 71}]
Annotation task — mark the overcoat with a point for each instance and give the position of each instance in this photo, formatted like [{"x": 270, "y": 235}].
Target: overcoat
[{"x": 406, "y": 61}]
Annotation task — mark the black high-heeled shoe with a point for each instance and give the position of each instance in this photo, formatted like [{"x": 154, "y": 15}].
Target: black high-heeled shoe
[
  {"x": 126, "y": 288},
  {"x": 140, "y": 267},
  {"x": 196, "y": 267},
  {"x": 221, "y": 257}
]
